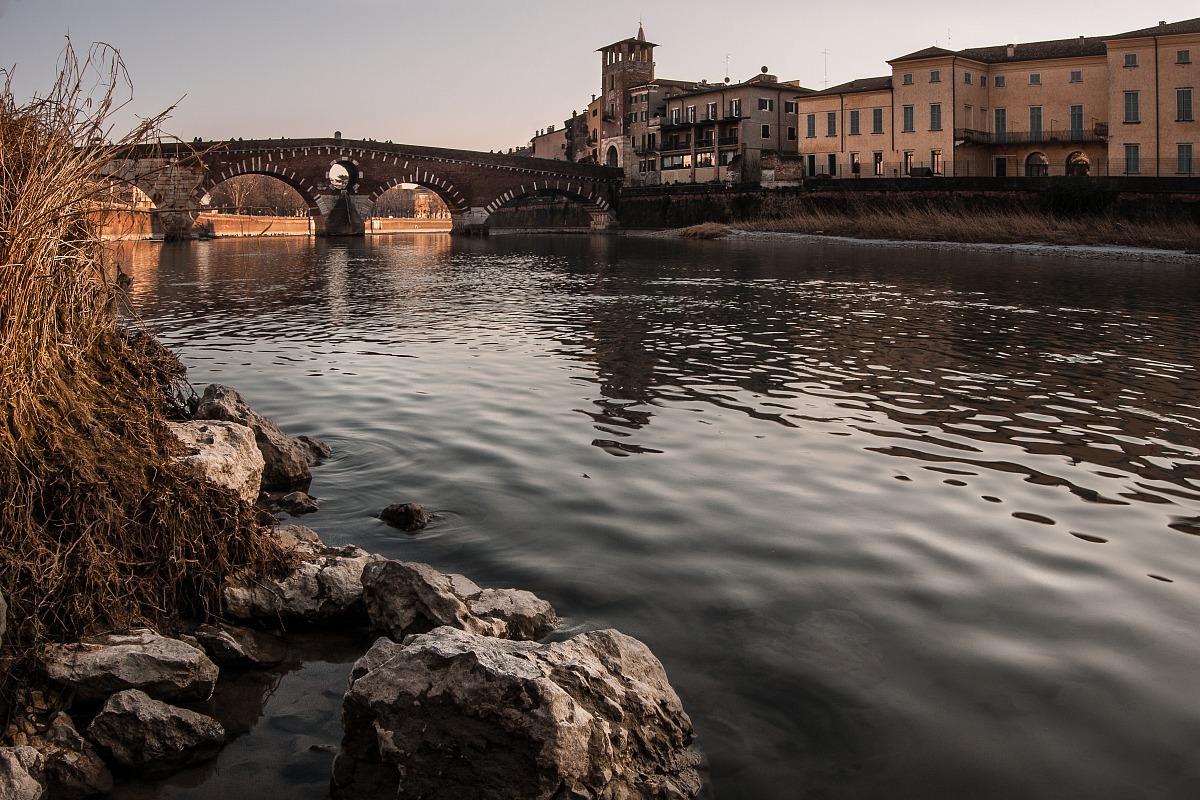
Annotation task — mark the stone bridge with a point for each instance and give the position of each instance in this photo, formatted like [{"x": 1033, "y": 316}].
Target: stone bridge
[{"x": 340, "y": 179}]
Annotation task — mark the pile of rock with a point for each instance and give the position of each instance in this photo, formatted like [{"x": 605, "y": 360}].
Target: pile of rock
[{"x": 460, "y": 702}]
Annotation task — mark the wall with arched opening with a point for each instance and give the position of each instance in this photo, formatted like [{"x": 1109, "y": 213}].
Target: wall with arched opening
[
  {"x": 126, "y": 210},
  {"x": 546, "y": 208},
  {"x": 254, "y": 203}
]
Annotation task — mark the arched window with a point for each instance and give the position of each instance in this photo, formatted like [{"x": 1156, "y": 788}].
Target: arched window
[
  {"x": 1079, "y": 164},
  {"x": 613, "y": 158},
  {"x": 1037, "y": 165}
]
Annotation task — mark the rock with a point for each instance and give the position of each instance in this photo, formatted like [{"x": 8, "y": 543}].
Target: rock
[
  {"x": 286, "y": 459},
  {"x": 298, "y": 503},
  {"x": 317, "y": 450},
  {"x": 453, "y": 715},
  {"x": 406, "y": 516},
  {"x": 223, "y": 453},
  {"x": 73, "y": 767},
  {"x": 139, "y": 731},
  {"x": 325, "y": 583},
  {"x": 229, "y": 645},
  {"x": 3, "y": 616},
  {"x": 404, "y": 598},
  {"x": 22, "y": 773},
  {"x": 164, "y": 668}
]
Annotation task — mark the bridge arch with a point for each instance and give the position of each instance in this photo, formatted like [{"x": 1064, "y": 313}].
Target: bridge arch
[
  {"x": 598, "y": 208},
  {"x": 445, "y": 190},
  {"x": 300, "y": 183}
]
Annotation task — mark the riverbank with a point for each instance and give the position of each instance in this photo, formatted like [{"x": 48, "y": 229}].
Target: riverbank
[{"x": 1035, "y": 249}]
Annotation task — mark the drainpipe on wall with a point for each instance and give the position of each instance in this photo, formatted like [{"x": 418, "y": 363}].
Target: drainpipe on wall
[{"x": 1157, "y": 118}]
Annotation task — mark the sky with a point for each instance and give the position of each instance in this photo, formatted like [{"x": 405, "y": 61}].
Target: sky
[{"x": 487, "y": 74}]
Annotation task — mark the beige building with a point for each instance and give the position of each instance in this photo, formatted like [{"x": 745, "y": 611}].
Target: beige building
[
  {"x": 550, "y": 143},
  {"x": 1085, "y": 106}
]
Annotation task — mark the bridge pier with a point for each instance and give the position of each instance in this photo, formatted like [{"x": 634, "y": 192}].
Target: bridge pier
[
  {"x": 472, "y": 222},
  {"x": 342, "y": 214},
  {"x": 602, "y": 221}
]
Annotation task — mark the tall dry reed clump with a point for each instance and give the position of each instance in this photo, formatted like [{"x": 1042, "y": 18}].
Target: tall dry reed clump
[{"x": 99, "y": 529}]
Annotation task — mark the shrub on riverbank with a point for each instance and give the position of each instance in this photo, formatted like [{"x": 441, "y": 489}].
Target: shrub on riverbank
[
  {"x": 98, "y": 527},
  {"x": 910, "y": 222}
]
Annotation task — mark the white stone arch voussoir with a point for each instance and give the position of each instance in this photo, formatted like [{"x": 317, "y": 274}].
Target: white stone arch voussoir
[{"x": 448, "y": 193}]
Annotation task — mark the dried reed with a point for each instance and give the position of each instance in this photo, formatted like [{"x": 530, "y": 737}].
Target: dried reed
[{"x": 98, "y": 527}]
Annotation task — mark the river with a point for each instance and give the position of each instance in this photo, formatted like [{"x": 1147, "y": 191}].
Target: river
[{"x": 898, "y": 523}]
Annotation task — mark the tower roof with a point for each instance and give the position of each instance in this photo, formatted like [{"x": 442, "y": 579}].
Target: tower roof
[{"x": 640, "y": 39}]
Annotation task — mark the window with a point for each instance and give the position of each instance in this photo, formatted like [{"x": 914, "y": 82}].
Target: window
[
  {"x": 1076, "y": 123},
  {"x": 906, "y": 79},
  {"x": 1035, "y": 123},
  {"x": 735, "y": 107},
  {"x": 1000, "y": 82},
  {"x": 876, "y": 120},
  {"x": 832, "y": 163},
  {"x": 935, "y": 116},
  {"x": 908, "y": 120},
  {"x": 766, "y": 104},
  {"x": 1001, "y": 129},
  {"x": 1132, "y": 156},
  {"x": 967, "y": 78},
  {"x": 855, "y": 165},
  {"x": 704, "y": 159},
  {"x": 907, "y": 165},
  {"x": 691, "y": 113},
  {"x": 831, "y": 123},
  {"x": 1035, "y": 79},
  {"x": 877, "y": 160},
  {"x": 675, "y": 113},
  {"x": 1131, "y": 107},
  {"x": 811, "y": 122},
  {"x": 791, "y": 133},
  {"x": 811, "y": 168},
  {"x": 1076, "y": 76},
  {"x": 1183, "y": 105},
  {"x": 1183, "y": 56},
  {"x": 983, "y": 80},
  {"x": 791, "y": 107},
  {"x": 935, "y": 76},
  {"x": 677, "y": 162},
  {"x": 935, "y": 161},
  {"x": 1184, "y": 167},
  {"x": 854, "y": 122},
  {"x": 1131, "y": 59},
  {"x": 766, "y": 131},
  {"x": 710, "y": 111},
  {"x": 726, "y": 157}
]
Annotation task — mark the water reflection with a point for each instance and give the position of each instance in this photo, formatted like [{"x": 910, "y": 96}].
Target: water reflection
[{"x": 899, "y": 523}]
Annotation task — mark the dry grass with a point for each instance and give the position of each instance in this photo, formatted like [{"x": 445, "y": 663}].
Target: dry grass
[
  {"x": 98, "y": 527},
  {"x": 705, "y": 230},
  {"x": 905, "y": 222}
]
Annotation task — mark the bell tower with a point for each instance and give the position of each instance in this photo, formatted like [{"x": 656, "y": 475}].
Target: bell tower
[{"x": 624, "y": 64}]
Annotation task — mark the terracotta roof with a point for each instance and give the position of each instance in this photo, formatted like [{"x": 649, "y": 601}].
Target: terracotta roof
[
  {"x": 928, "y": 52},
  {"x": 856, "y": 85},
  {"x": 1036, "y": 51},
  {"x": 1162, "y": 29}
]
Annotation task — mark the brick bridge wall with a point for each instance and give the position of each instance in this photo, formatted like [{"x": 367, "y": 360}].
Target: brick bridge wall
[{"x": 473, "y": 185}]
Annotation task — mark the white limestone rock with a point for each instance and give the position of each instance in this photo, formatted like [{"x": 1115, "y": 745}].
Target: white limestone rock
[
  {"x": 404, "y": 598},
  {"x": 325, "y": 583},
  {"x": 138, "y": 731},
  {"x": 22, "y": 773},
  {"x": 451, "y": 715},
  {"x": 223, "y": 453},
  {"x": 164, "y": 668}
]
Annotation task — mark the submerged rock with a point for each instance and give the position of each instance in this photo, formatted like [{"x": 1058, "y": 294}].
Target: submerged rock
[
  {"x": 287, "y": 460},
  {"x": 451, "y": 715},
  {"x": 406, "y": 516},
  {"x": 138, "y": 659},
  {"x": 404, "y": 598},
  {"x": 223, "y": 453},
  {"x": 298, "y": 503},
  {"x": 230, "y": 645},
  {"x": 325, "y": 583},
  {"x": 22, "y": 773},
  {"x": 139, "y": 731}
]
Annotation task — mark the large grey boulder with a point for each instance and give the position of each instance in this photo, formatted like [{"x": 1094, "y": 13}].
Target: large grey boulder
[
  {"x": 223, "y": 453},
  {"x": 325, "y": 583},
  {"x": 451, "y": 715},
  {"x": 73, "y": 767},
  {"x": 139, "y": 731},
  {"x": 404, "y": 598},
  {"x": 287, "y": 460},
  {"x": 22, "y": 773},
  {"x": 138, "y": 659}
]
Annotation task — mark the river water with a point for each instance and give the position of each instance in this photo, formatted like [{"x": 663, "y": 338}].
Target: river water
[{"x": 898, "y": 523}]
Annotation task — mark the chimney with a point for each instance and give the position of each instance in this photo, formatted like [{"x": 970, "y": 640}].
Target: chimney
[
  {"x": 1162, "y": 22},
  {"x": 1012, "y": 50}
]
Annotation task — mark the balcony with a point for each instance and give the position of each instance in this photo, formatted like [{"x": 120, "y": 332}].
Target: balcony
[
  {"x": 728, "y": 140},
  {"x": 1098, "y": 133},
  {"x": 703, "y": 143}
]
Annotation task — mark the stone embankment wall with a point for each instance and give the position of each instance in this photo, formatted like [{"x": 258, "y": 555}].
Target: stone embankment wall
[{"x": 1138, "y": 198}]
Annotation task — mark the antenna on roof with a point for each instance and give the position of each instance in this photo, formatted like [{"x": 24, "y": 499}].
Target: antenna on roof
[
  {"x": 825, "y": 53},
  {"x": 727, "y": 67},
  {"x": 949, "y": 36}
]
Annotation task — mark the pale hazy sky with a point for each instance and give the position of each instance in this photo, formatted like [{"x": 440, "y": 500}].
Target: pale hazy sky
[{"x": 485, "y": 74}]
